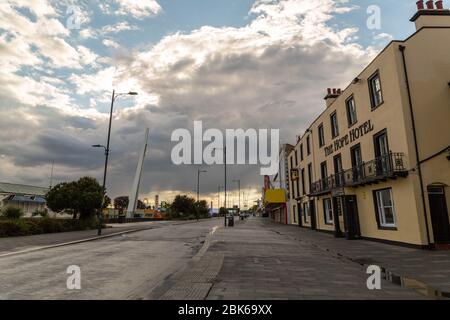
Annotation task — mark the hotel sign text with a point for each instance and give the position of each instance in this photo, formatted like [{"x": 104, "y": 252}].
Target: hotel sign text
[{"x": 350, "y": 137}]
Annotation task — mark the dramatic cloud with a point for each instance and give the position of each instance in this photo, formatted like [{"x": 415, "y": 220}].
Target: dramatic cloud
[{"x": 270, "y": 73}]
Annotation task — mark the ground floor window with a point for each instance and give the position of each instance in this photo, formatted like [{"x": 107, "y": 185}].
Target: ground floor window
[
  {"x": 295, "y": 213},
  {"x": 328, "y": 211},
  {"x": 384, "y": 207},
  {"x": 306, "y": 212}
]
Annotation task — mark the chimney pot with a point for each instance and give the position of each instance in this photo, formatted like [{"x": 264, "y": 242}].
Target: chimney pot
[
  {"x": 334, "y": 91},
  {"x": 329, "y": 90},
  {"x": 430, "y": 4},
  {"x": 420, "y": 5},
  {"x": 439, "y": 5},
  {"x": 339, "y": 91}
]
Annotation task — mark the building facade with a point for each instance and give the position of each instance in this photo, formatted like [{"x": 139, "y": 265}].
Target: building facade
[
  {"x": 27, "y": 198},
  {"x": 376, "y": 163}
]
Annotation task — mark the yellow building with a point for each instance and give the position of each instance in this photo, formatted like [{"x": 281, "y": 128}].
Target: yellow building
[{"x": 376, "y": 163}]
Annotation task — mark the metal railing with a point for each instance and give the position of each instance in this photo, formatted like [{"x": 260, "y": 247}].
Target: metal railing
[{"x": 388, "y": 166}]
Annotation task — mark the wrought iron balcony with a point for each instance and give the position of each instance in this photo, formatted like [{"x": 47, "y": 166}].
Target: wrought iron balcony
[{"x": 382, "y": 168}]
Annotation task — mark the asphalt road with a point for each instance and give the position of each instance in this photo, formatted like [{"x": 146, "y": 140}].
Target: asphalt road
[{"x": 123, "y": 267}]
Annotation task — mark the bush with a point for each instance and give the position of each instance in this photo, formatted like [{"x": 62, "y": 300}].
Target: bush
[
  {"x": 12, "y": 213},
  {"x": 26, "y": 227},
  {"x": 41, "y": 213}
]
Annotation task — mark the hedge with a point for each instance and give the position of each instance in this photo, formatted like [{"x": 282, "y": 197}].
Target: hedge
[{"x": 27, "y": 227}]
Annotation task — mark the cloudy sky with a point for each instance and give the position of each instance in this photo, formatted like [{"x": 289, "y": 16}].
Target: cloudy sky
[{"x": 229, "y": 63}]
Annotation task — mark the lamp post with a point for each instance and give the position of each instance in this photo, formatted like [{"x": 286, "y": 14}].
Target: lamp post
[
  {"x": 113, "y": 99},
  {"x": 225, "y": 185},
  {"x": 239, "y": 186}
]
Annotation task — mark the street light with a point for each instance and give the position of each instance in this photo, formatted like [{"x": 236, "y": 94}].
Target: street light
[
  {"x": 225, "y": 187},
  {"x": 239, "y": 186},
  {"x": 113, "y": 99}
]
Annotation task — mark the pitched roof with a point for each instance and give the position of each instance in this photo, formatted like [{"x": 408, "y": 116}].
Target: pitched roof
[{"x": 22, "y": 189}]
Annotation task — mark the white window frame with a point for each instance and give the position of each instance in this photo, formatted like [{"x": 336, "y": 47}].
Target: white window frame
[
  {"x": 376, "y": 95},
  {"x": 306, "y": 212},
  {"x": 351, "y": 111},
  {"x": 381, "y": 209},
  {"x": 329, "y": 216}
]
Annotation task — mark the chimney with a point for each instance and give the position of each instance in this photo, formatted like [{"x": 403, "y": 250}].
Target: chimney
[
  {"x": 420, "y": 5},
  {"x": 431, "y": 16},
  {"x": 332, "y": 95}
]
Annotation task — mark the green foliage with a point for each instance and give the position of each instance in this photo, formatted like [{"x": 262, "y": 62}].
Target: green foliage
[
  {"x": 121, "y": 203},
  {"x": 83, "y": 197},
  {"x": 41, "y": 213},
  {"x": 187, "y": 208},
  {"x": 202, "y": 209},
  {"x": 12, "y": 213},
  {"x": 26, "y": 227}
]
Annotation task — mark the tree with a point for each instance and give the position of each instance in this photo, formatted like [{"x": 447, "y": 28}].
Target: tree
[
  {"x": 223, "y": 211},
  {"x": 82, "y": 198},
  {"x": 201, "y": 209},
  {"x": 121, "y": 203},
  {"x": 106, "y": 202},
  {"x": 182, "y": 206},
  {"x": 140, "y": 205}
]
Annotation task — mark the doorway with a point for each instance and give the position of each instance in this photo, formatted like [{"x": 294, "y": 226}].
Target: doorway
[{"x": 439, "y": 215}]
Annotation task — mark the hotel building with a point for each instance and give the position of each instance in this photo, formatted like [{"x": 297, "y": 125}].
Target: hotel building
[{"x": 376, "y": 163}]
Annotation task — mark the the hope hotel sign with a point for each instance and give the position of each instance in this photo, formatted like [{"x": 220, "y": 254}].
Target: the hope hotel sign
[{"x": 350, "y": 137}]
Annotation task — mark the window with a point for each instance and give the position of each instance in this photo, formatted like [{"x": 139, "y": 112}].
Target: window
[
  {"x": 303, "y": 181},
  {"x": 328, "y": 211},
  {"x": 308, "y": 146},
  {"x": 351, "y": 111},
  {"x": 295, "y": 213},
  {"x": 334, "y": 125},
  {"x": 384, "y": 208},
  {"x": 306, "y": 213},
  {"x": 310, "y": 175},
  {"x": 324, "y": 174},
  {"x": 376, "y": 94},
  {"x": 296, "y": 158},
  {"x": 292, "y": 182},
  {"x": 301, "y": 153},
  {"x": 321, "y": 136},
  {"x": 382, "y": 153},
  {"x": 338, "y": 170},
  {"x": 357, "y": 168}
]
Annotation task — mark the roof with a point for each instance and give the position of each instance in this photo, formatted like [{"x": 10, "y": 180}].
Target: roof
[{"x": 12, "y": 188}]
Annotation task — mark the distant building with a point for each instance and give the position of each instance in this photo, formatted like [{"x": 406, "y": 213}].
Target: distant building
[{"x": 27, "y": 198}]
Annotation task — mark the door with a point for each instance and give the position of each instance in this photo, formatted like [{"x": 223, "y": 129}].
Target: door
[
  {"x": 312, "y": 211},
  {"x": 351, "y": 218},
  {"x": 439, "y": 215},
  {"x": 356, "y": 163},
  {"x": 382, "y": 153}
]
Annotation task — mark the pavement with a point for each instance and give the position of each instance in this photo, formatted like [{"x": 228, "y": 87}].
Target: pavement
[
  {"x": 427, "y": 271},
  {"x": 255, "y": 261}
]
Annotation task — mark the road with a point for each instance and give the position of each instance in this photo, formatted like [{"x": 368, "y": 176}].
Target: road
[
  {"x": 123, "y": 267},
  {"x": 199, "y": 260}
]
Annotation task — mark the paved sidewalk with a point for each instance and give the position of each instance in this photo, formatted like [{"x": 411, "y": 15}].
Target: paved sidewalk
[
  {"x": 14, "y": 244},
  {"x": 252, "y": 261},
  {"x": 425, "y": 270}
]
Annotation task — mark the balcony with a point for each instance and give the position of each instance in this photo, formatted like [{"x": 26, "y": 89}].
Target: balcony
[{"x": 380, "y": 169}]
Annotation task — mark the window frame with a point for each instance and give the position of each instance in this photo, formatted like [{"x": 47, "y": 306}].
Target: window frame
[
  {"x": 350, "y": 123},
  {"x": 306, "y": 212},
  {"x": 375, "y": 75},
  {"x": 308, "y": 146},
  {"x": 326, "y": 211},
  {"x": 334, "y": 126},
  {"x": 321, "y": 134},
  {"x": 380, "y": 215}
]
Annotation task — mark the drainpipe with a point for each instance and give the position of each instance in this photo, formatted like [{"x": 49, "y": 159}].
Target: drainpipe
[{"x": 416, "y": 147}]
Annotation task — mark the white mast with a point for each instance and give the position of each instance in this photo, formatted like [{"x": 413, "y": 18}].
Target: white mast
[{"x": 137, "y": 179}]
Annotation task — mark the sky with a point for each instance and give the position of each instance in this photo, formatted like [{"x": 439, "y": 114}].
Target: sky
[{"x": 228, "y": 63}]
